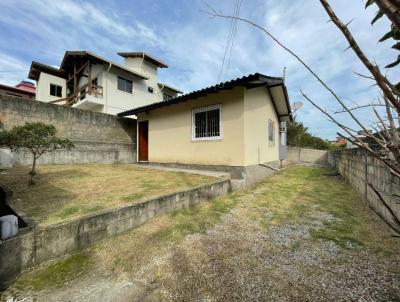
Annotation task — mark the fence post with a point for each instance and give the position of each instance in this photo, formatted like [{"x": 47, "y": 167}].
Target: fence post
[{"x": 366, "y": 177}]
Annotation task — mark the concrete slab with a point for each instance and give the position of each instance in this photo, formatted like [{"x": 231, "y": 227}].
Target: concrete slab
[{"x": 192, "y": 171}]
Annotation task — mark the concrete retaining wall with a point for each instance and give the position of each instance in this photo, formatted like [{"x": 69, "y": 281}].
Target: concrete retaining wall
[
  {"x": 46, "y": 243},
  {"x": 303, "y": 155},
  {"x": 360, "y": 168},
  {"x": 99, "y": 137}
]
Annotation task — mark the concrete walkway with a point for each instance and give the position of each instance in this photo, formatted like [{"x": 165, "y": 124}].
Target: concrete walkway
[{"x": 191, "y": 171}]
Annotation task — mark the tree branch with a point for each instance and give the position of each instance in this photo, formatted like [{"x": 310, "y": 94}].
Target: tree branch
[{"x": 382, "y": 82}]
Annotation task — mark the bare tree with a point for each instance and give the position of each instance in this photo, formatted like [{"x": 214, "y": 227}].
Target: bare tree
[{"x": 387, "y": 136}]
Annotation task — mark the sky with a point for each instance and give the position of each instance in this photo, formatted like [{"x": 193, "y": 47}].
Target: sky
[{"x": 193, "y": 44}]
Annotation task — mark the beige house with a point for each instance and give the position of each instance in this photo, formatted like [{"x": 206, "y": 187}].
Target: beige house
[
  {"x": 233, "y": 126},
  {"x": 88, "y": 81}
]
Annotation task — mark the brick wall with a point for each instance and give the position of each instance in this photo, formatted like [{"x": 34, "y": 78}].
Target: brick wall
[
  {"x": 360, "y": 168},
  {"x": 99, "y": 137}
]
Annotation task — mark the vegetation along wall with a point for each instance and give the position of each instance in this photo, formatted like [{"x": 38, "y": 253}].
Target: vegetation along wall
[
  {"x": 360, "y": 169},
  {"x": 98, "y": 137}
]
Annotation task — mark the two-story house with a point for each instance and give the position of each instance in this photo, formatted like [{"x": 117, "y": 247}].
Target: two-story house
[{"x": 88, "y": 81}]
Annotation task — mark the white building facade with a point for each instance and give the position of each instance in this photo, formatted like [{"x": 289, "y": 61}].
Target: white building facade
[{"x": 87, "y": 81}]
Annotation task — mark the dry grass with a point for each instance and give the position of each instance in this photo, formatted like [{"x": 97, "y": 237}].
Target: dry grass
[
  {"x": 297, "y": 236},
  {"x": 69, "y": 191}
]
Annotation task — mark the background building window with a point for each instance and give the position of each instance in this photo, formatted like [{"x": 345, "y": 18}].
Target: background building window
[
  {"x": 124, "y": 85},
  {"x": 206, "y": 123},
  {"x": 167, "y": 97},
  {"x": 271, "y": 132},
  {"x": 150, "y": 89},
  {"x": 55, "y": 90}
]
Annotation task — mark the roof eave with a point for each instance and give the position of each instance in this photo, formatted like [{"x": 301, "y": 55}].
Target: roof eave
[
  {"x": 150, "y": 58},
  {"x": 251, "y": 81},
  {"x": 96, "y": 56},
  {"x": 170, "y": 87}
]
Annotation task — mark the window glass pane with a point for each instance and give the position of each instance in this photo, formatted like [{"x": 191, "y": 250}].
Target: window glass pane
[
  {"x": 52, "y": 89},
  {"x": 212, "y": 123},
  {"x": 200, "y": 124},
  {"x": 271, "y": 131},
  {"x": 128, "y": 87},
  {"x": 59, "y": 91},
  {"x": 121, "y": 84}
]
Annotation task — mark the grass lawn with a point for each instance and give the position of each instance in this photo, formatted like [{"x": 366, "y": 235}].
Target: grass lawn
[
  {"x": 67, "y": 191},
  {"x": 299, "y": 235}
]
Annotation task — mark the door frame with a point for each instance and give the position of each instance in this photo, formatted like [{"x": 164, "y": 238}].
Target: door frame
[{"x": 138, "y": 142}]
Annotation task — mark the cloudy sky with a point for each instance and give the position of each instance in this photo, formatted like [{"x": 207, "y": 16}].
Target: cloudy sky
[{"x": 193, "y": 44}]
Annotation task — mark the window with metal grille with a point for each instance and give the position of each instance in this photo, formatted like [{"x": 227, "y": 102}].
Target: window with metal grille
[
  {"x": 55, "y": 90},
  {"x": 271, "y": 132},
  {"x": 124, "y": 85},
  {"x": 206, "y": 123}
]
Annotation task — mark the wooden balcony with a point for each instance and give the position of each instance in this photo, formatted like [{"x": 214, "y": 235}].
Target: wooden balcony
[{"x": 81, "y": 94}]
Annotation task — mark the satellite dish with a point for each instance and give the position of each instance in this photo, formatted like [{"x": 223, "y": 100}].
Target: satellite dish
[{"x": 297, "y": 105}]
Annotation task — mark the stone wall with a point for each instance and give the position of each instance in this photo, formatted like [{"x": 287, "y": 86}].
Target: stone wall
[
  {"x": 360, "y": 169},
  {"x": 303, "y": 155},
  {"x": 33, "y": 246},
  {"x": 98, "y": 137}
]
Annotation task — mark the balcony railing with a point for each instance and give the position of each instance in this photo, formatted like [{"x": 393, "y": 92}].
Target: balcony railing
[{"x": 81, "y": 93}]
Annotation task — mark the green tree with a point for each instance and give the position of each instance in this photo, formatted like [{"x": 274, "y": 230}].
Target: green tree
[
  {"x": 36, "y": 138},
  {"x": 298, "y": 136}
]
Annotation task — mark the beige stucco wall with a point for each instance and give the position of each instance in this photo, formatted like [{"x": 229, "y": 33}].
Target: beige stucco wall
[
  {"x": 258, "y": 109},
  {"x": 170, "y": 132},
  {"x": 43, "y": 87}
]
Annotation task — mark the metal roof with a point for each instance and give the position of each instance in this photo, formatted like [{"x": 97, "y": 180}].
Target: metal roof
[
  {"x": 37, "y": 67},
  {"x": 250, "y": 81}
]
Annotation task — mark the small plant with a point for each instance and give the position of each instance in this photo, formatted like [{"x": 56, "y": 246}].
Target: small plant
[{"x": 37, "y": 138}]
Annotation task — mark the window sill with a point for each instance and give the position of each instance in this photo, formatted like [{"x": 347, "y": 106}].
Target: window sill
[
  {"x": 216, "y": 139},
  {"x": 124, "y": 92}
]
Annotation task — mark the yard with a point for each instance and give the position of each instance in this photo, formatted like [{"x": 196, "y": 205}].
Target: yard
[
  {"x": 300, "y": 235},
  {"x": 69, "y": 191}
]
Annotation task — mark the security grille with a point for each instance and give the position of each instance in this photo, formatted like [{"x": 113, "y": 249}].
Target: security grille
[{"x": 206, "y": 123}]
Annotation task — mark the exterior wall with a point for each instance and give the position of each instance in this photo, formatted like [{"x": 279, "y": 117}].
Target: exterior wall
[
  {"x": 303, "y": 155},
  {"x": 43, "y": 87},
  {"x": 170, "y": 132},
  {"x": 360, "y": 169},
  {"x": 118, "y": 101},
  {"x": 99, "y": 138},
  {"x": 258, "y": 109}
]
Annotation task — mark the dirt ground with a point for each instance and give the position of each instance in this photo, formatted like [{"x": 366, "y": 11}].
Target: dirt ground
[{"x": 300, "y": 235}]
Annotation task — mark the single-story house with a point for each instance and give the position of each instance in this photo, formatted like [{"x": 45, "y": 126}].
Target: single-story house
[{"x": 233, "y": 126}]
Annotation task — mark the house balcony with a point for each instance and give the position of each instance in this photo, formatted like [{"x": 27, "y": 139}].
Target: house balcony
[{"x": 89, "y": 97}]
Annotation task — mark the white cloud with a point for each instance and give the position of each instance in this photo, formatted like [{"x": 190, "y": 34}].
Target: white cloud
[
  {"x": 12, "y": 70},
  {"x": 193, "y": 44}
]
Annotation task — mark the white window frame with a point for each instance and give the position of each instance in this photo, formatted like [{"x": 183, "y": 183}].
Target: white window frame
[
  {"x": 203, "y": 109},
  {"x": 126, "y": 80},
  {"x": 55, "y": 90}
]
